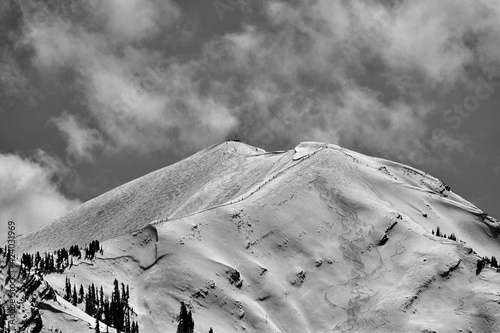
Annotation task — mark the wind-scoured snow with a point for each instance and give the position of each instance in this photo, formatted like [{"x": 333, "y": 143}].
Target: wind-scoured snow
[{"x": 324, "y": 239}]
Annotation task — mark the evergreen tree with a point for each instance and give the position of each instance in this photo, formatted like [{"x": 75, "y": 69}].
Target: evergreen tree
[
  {"x": 88, "y": 302},
  {"x": 67, "y": 295},
  {"x": 82, "y": 294},
  {"x": 127, "y": 294},
  {"x": 479, "y": 266},
  {"x": 116, "y": 307},
  {"x": 101, "y": 292},
  {"x": 494, "y": 262},
  {"x": 211, "y": 330},
  {"x": 92, "y": 294},
  {"x": 124, "y": 294},
  {"x": 37, "y": 258},
  {"x": 186, "y": 323},
  {"x": 75, "y": 296}
]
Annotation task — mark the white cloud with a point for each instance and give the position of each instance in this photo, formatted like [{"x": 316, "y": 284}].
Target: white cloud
[
  {"x": 431, "y": 36},
  {"x": 366, "y": 123},
  {"x": 340, "y": 45},
  {"x": 134, "y": 20},
  {"x": 81, "y": 140},
  {"x": 12, "y": 80},
  {"x": 304, "y": 75},
  {"x": 29, "y": 197},
  {"x": 141, "y": 101}
]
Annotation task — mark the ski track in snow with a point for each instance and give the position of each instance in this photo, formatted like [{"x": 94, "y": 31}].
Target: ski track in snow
[
  {"x": 295, "y": 161},
  {"x": 486, "y": 320},
  {"x": 351, "y": 252}
]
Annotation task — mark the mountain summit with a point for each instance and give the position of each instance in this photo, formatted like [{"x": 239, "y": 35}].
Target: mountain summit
[{"x": 314, "y": 239}]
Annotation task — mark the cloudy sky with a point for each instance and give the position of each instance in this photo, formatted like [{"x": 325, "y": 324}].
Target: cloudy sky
[{"x": 96, "y": 93}]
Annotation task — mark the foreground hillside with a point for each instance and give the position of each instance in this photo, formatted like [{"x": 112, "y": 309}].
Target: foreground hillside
[{"x": 316, "y": 239}]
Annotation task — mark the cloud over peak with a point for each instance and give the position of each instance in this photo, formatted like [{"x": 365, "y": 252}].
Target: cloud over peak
[
  {"x": 29, "y": 195},
  {"x": 362, "y": 74}
]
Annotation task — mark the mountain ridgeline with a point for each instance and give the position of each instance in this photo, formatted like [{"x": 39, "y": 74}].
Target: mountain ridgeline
[{"x": 315, "y": 239}]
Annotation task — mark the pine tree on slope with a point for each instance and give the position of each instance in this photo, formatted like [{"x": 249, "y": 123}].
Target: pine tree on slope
[{"x": 186, "y": 323}]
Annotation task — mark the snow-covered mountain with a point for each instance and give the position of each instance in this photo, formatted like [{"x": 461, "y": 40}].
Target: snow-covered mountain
[{"x": 315, "y": 239}]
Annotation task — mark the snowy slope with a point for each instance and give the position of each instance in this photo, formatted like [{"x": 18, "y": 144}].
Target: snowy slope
[
  {"x": 303, "y": 229},
  {"x": 203, "y": 180}
]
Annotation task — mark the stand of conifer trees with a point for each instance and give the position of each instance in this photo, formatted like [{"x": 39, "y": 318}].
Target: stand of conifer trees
[
  {"x": 113, "y": 311},
  {"x": 57, "y": 261}
]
